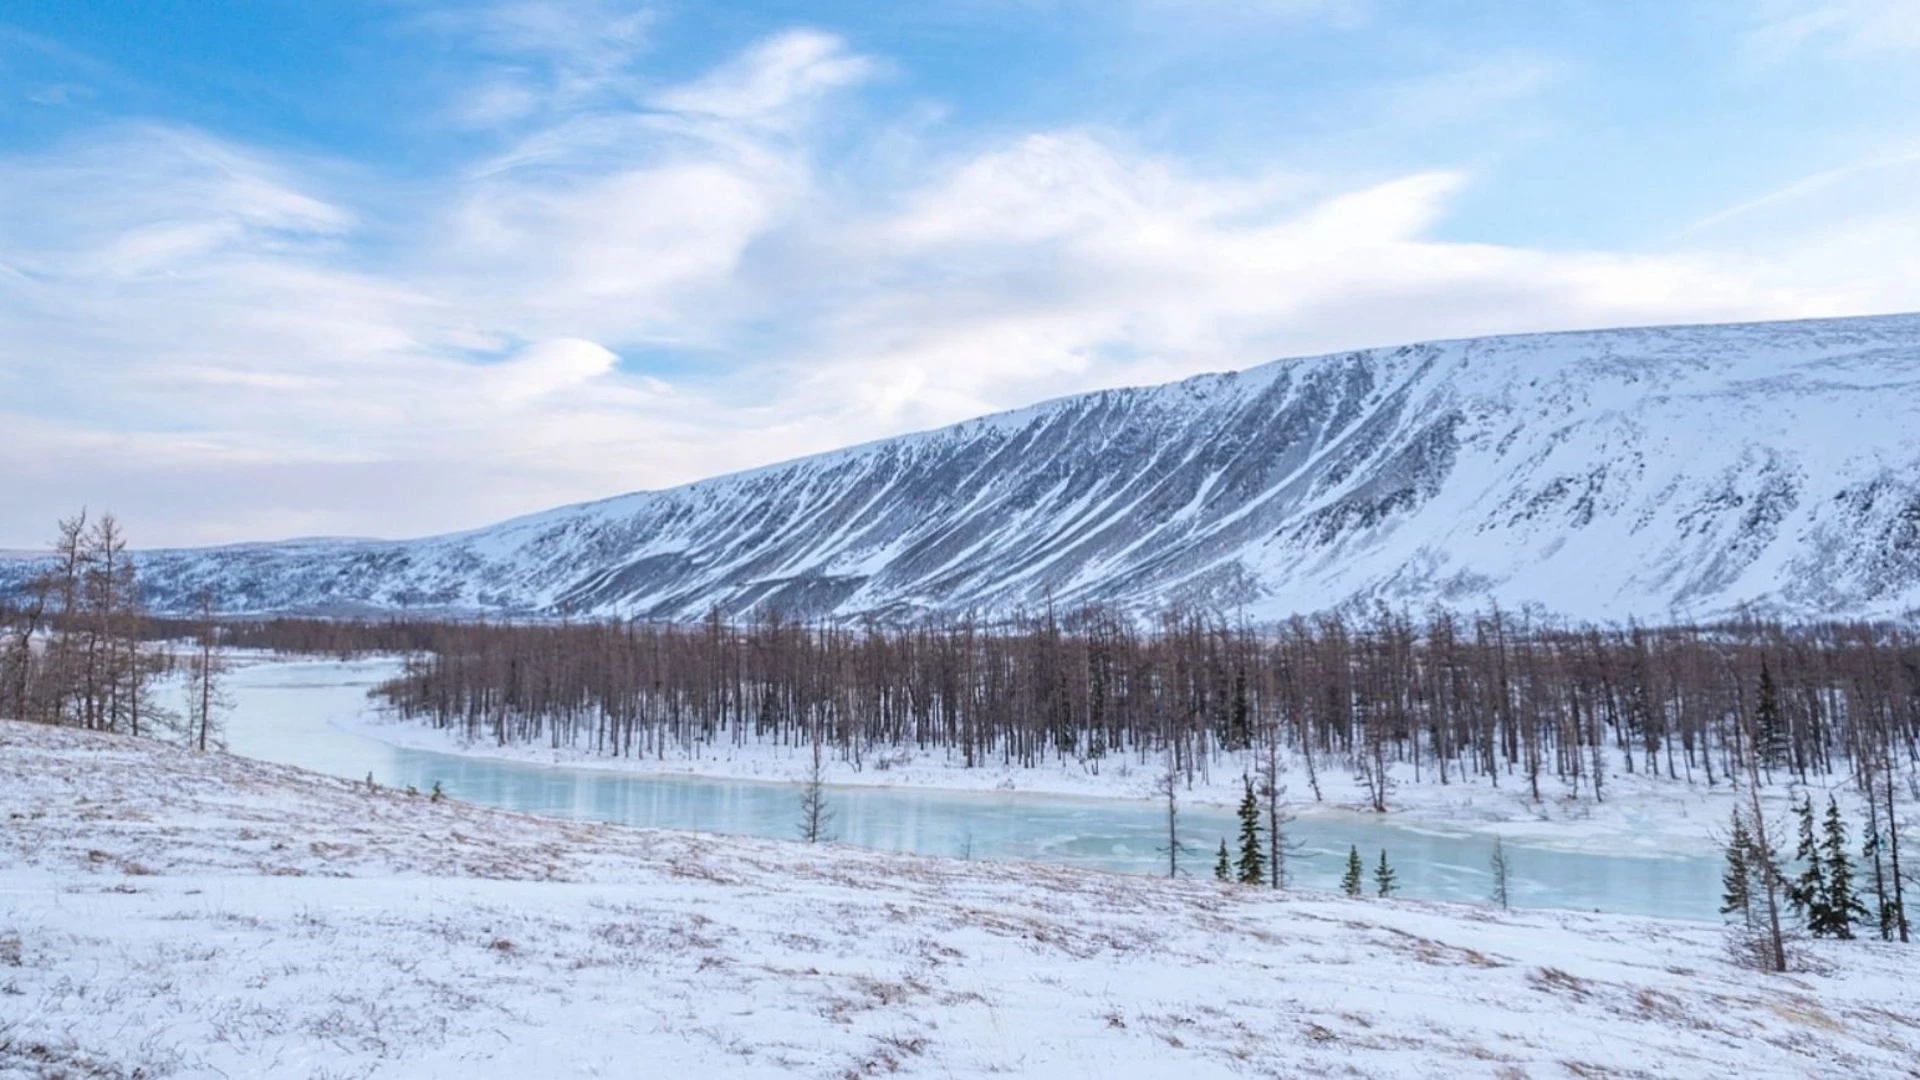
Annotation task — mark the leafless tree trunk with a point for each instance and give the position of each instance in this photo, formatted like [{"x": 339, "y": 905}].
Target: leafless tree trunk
[
  {"x": 1498, "y": 865},
  {"x": 207, "y": 697},
  {"x": 816, "y": 817}
]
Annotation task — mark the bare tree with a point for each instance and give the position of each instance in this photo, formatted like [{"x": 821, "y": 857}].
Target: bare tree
[
  {"x": 1497, "y": 864},
  {"x": 1167, "y": 787},
  {"x": 1763, "y": 859},
  {"x": 1490, "y": 702},
  {"x": 1273, "y": 789},
  {"x": 207, "y": 699},
  {"x": 816, "y": 816},
  {"x": 60, "y": 699},
  {"x": 23, "y": 621}
]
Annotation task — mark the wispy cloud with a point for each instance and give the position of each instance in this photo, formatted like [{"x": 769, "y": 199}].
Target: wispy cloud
[
  {"x": 1470, "y": 90},
  {"x": 769, "y": 82},
  {"x": 1806, "y": 187},
  {"x": 60, "y": 94},
  {"x": 228, "y": 342},
  {"x": 542, "y": 58},
  {"x": 1785, "y": 27}
]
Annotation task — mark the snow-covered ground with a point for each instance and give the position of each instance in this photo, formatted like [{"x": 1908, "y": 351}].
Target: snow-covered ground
[
  {"x": 1636, "y": 814},
  {"x": 165, "y": 913}
]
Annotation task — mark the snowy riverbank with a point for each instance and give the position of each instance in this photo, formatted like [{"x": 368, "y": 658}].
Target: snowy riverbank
[
  {"x": 1637, "y": 814},
  {"x": 202, "y": 915}
]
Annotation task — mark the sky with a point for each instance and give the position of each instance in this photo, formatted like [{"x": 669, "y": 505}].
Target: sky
[{"x": 271, "y": 268}]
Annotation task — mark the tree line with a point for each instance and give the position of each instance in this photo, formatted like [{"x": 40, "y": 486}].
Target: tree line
[
  {"x": 1551, "y": 712},
  {"x": 74, "y": 652},
  {"x": 78, "y": 649},
  {"x": 1446, "y": 699}
]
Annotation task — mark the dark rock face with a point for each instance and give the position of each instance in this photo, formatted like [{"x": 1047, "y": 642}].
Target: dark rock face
[{"x": 1657, "y": 474}]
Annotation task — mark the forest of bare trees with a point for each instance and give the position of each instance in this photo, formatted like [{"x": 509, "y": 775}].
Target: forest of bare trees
[
  {"x": 76, "y": 649},
  {"x": 1437, "y": 700},
  {"x": 1550, "y": 713}
]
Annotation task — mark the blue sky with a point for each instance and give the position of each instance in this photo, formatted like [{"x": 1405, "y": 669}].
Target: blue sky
[{"x": 385, "y": 268}]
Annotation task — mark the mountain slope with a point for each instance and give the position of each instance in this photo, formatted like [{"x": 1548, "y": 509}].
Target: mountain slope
[{"x": 1653, "y": 473}]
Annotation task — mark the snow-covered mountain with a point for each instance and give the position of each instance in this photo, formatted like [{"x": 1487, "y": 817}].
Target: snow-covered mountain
[{"x": 1654, "y": 473}]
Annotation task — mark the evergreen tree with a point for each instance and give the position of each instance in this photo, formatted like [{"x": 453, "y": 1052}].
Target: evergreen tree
[
  {"x": 1222, "y": 869},
  {"x": 1806, "y": 894},
  {"x": 1251, "y": 867},
  {"x": 1239, "y": 714},
  {"x": 1736, "y": 894},
  {"x": 1871, "y": 855},
  {"x": 1350, "y": 881},
  {"x": 1383, "y": 876},
  {"x": 1843, "y": 907},
  {"x": 1770, "y": 731}
]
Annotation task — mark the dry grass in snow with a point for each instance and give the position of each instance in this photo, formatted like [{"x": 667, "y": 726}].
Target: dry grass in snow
[{"x": 164, "y": 913}]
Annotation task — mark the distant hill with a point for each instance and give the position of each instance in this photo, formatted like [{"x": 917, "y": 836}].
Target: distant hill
[{"x": 1662, "y": 473}]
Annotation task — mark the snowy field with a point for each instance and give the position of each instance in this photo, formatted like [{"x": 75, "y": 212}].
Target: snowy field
[{"x": 169, "y": 914}]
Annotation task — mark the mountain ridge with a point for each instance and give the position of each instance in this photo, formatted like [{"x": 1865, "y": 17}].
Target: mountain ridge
[{"x": 1660, "y": 473}]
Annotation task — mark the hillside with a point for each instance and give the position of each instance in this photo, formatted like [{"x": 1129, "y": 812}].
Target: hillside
[
  {"x": 1660, "y": 474},
  {"x": 170, "y": 914}
]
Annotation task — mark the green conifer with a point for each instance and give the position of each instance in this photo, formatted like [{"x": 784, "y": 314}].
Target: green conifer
[
  {"x": 1843, "y": 907},
  {"x": 1772, "y": 733},
  {"x": 1222, "y": 869},
  {"x": 1383, "y": 876},
  {"x": 1736, "y": 894},
  {"x": 1350, "y": 881},
  {"x": 1251, "y": 867},
  {"x": 1806, "y": 894},
  {"x": 1870, "y": 854}
]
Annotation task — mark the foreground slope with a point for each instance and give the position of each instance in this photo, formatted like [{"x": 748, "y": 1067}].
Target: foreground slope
[
  {"x": 1658, "y": 473},
  {"x": 163, "y": 913}
]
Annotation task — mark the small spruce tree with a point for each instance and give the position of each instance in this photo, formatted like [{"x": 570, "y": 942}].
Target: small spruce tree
[
  {"x": 1350, "y": 881},
  {"x": 1843, "y": 907},
  {"x": 1870, "y": 855},
  {"x": 1736, "y": 895},
  {"x": 1251, "y": 867},
  {"x": 1772, "y": 733},
  {"x": 1239, "y": 715},
  {"x": 1222, "y": 869},
  {"x": 1383, "y": 876},
  {"x": 1806, "y": 894}
]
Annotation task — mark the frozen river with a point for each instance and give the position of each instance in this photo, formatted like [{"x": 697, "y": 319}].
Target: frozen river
[{"x": 283, "y": 712}]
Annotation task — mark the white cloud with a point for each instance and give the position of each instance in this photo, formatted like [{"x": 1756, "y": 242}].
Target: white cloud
[
  {"x": 223, "y": 344},
  {"x": 549, "y": 55},
  {"x": 1468, "y": 91},
  {"x": 1341, "y": 14},
  {"x": 60, "y": 94},
  {"x": 1785, "y": 27},
  {"x": 549, "y": 367},
  {"x": 1060, "y": 263},
  {"x": 1823, "y": 184},
  {"x": 771, "y": 81}
]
